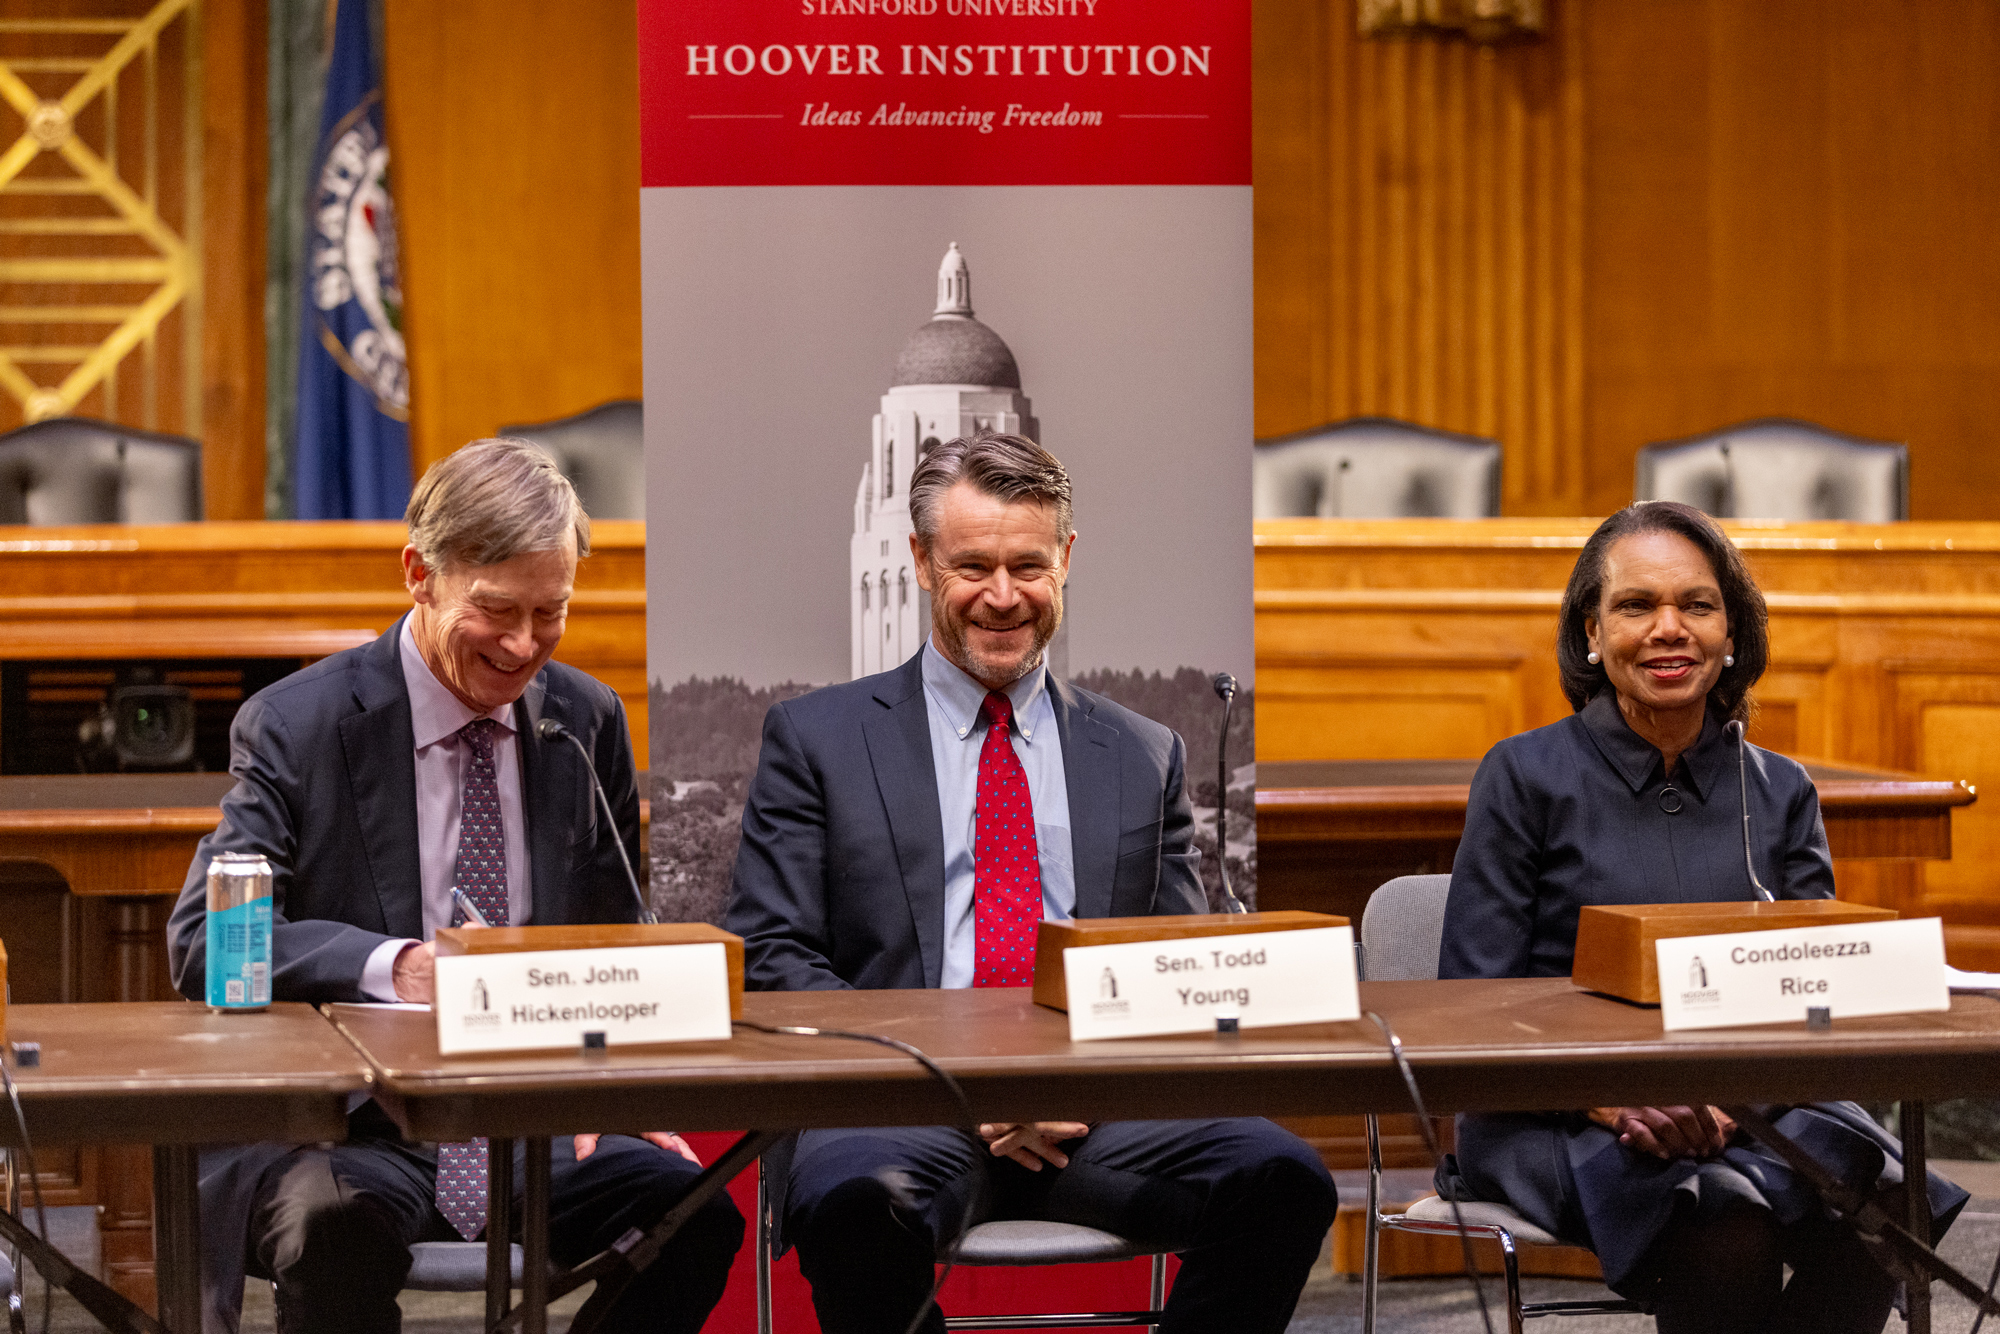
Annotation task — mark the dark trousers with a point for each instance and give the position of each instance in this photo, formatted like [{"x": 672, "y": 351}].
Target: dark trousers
[
  {"x": 1247, "y": 1205},
  {"x": 332, "y": 1227}
]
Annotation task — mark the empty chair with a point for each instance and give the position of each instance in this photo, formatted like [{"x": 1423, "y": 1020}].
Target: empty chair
[
  {"x": 1778, "y": 468},
  {"x": 602, "y": 452},
  {"x": 78, "y": 470},
  {"x": 1375, "y": 468}
]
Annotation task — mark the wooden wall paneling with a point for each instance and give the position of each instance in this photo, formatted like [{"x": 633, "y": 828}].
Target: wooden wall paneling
[
  {"x": 1946, "y": 719},
  {"x": 1419, "y": 238},
  {"x": 516, "y": 144},
  {"x": 234, "y": 170},
  {"x": 1786, "y": 214},
  {"x": 1329, "y": 708}
]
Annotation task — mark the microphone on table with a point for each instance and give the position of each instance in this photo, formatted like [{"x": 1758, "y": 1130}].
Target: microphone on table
[
  {"x": 1729, "y": 491},
  {"x": 548, "y": 729},
  {"x": 1225, "y": 689},
  {"x": 1734, "y": 727}
]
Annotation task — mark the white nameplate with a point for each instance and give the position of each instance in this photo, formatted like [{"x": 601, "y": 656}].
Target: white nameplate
[
  {"x": 1260, "y": 979},
  {"x": 1770, "y": 977},
  {"x": 540, "y": 999}
]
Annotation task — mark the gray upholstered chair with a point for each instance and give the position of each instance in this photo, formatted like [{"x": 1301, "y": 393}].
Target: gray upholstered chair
[
  {"x": 1013, "y": 1242},
  {"x": 1375, "y": 468},
  {"x": 1778, "y": 468},
  {"x": 78, "y": 470},
  {"x": 1402, "y": 927},
  {"x": 602, "y": 452}
]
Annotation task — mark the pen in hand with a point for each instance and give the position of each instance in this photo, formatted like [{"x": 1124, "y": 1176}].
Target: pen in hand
[{"x": 473, "y": 917}]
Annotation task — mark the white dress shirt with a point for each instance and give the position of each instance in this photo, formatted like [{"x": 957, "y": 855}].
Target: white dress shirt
[{"x": 436, "y": 716}]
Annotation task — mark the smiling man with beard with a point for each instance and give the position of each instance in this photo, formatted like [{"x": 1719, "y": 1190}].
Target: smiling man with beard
[{"x": 910, "y": 830}]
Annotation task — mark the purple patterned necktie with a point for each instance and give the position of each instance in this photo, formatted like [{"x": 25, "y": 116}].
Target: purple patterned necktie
[{"x": 482, "y": 874}]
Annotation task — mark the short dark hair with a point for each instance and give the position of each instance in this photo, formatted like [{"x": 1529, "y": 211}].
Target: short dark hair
[
  {"x": 1742, "y": 602},
  {"x": 1006, "y": 467}
]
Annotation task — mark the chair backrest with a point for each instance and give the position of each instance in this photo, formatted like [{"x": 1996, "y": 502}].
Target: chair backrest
[
  {"x": 1375, "y": 468},
  {"x": 1402, "y": 929},
  {"x": 78, "y": 470},
  {"x": 1778, "y": 468},
  {"x": 602, "y": 452}
]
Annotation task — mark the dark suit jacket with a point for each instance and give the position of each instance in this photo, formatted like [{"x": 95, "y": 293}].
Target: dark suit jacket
[
  {"x": 840, "y": 878},
  {"x": 326, "y": 787}
]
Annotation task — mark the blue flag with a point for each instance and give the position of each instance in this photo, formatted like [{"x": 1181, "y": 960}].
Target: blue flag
[{"x": 353, "y": 458}]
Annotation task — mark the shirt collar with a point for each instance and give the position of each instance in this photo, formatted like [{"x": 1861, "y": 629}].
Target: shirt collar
[
  {"x": 1637, "y": 760},
  {"x": 959, "y": 698},
  {"x": 435, "y": 713}
]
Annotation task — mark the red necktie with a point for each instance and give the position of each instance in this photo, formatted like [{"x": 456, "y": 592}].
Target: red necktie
[
  {"x": 1006, "y": 872},
  {"x": 482, "y": 873}
]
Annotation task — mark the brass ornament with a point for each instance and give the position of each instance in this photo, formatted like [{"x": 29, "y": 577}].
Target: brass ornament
[{"x": 49, "y": 124}]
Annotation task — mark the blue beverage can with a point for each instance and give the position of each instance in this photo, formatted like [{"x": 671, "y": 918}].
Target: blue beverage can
[{"x": 239, "y": 932}]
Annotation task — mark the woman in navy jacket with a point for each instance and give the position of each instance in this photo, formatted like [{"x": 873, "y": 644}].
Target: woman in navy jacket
[{"x": 1636, "y": 799}]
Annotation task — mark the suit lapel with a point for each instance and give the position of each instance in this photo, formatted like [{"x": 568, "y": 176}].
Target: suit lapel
[
  {"x": 1091, "y": 776},
  {"x": 897, "y": 734},
  {"x": 378, "y": 745},
  {"x": 550, "y": 775}
]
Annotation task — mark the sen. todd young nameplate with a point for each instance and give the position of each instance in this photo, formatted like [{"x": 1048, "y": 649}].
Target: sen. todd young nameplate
[
  {"x": 674, "y": 982},
  {"x": 1258, "y": 979},
  {"x": 1766, "y": 977}
]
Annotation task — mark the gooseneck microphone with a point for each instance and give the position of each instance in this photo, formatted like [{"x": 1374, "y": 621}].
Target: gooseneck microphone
[
  {"x": 1225, "y": 689},
  {"x": 1734, "y": 727},
  {"x": 548, "y": 729}
]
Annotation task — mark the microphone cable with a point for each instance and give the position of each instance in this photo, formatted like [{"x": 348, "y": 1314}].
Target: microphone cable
[
  {"x": 975, "y": 1199},
  {"x": 548, "y": 729},
  {"x": 1225, "y": 688},
  {"x": 1735, "y": 728},
  {"x": 34, "y": 1186},
  {"x": 1437, "y": 1157}
]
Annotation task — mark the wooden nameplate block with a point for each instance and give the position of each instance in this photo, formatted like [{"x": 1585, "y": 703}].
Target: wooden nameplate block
[
  {"x": 454, "y": 940},
  {"x": 1614, "y": 943},
  {"x": 1052, "y": 938}
]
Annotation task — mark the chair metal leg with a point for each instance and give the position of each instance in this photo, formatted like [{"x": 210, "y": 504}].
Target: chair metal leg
[
  {"x": 499, "y": 1230},
  {"x": 1371, "y": 1246},
  {"x": 1512, "y": 1263},
  {"x": 1158, "y": 1289},
  {"x": 763, "y": 1253}
]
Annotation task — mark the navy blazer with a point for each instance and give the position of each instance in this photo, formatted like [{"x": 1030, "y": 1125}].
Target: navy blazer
[
  {"x": 1578, "y": 813},
  {"x": 326, "y": 788},
  {"x": 840, "y": 877}
]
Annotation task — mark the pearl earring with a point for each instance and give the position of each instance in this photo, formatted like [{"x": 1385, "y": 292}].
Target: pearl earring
[
  {"x": 1592, "y": 658},
  {"x": 1729, "y": 660}
]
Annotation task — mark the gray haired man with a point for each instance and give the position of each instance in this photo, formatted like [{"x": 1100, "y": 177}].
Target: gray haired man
[{"x": 378, "y": 782}]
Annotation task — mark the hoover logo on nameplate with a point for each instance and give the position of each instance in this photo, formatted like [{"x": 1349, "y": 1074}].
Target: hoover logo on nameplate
[
  {"x": 1262, "y": 979},
  {"x": 1767, "y": 977},
  {"x": 541, "y": 999}
]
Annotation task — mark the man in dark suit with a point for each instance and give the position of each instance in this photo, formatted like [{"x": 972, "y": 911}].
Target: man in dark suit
[
  {"x": 383, "y": 784},
  {"x": 909, "y": 830}
]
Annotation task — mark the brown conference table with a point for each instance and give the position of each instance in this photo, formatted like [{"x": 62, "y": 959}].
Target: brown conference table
[
  {"x": 1485, "y": 1045},
  {"x": 177, "y": 1076}
]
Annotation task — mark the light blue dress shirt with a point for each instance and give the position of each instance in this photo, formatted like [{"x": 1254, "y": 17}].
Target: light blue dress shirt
[{"x": 952, "y": 703}]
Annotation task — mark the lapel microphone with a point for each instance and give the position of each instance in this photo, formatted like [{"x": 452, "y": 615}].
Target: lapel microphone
[
  {"x": 548, "y": 729},
  {"x": 1734, "y": 727},
  {"x": 1225, "y": 689}
]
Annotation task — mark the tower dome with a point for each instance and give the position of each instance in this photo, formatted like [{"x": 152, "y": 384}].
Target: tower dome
[{"x": 953, "y": 347}]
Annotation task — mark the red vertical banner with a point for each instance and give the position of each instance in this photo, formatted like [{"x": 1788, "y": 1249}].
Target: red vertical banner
[{"x": 873, "y": 224}]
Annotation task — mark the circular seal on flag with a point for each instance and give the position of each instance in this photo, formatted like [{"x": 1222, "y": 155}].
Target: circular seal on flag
[{"x": 353, "y": 267}]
